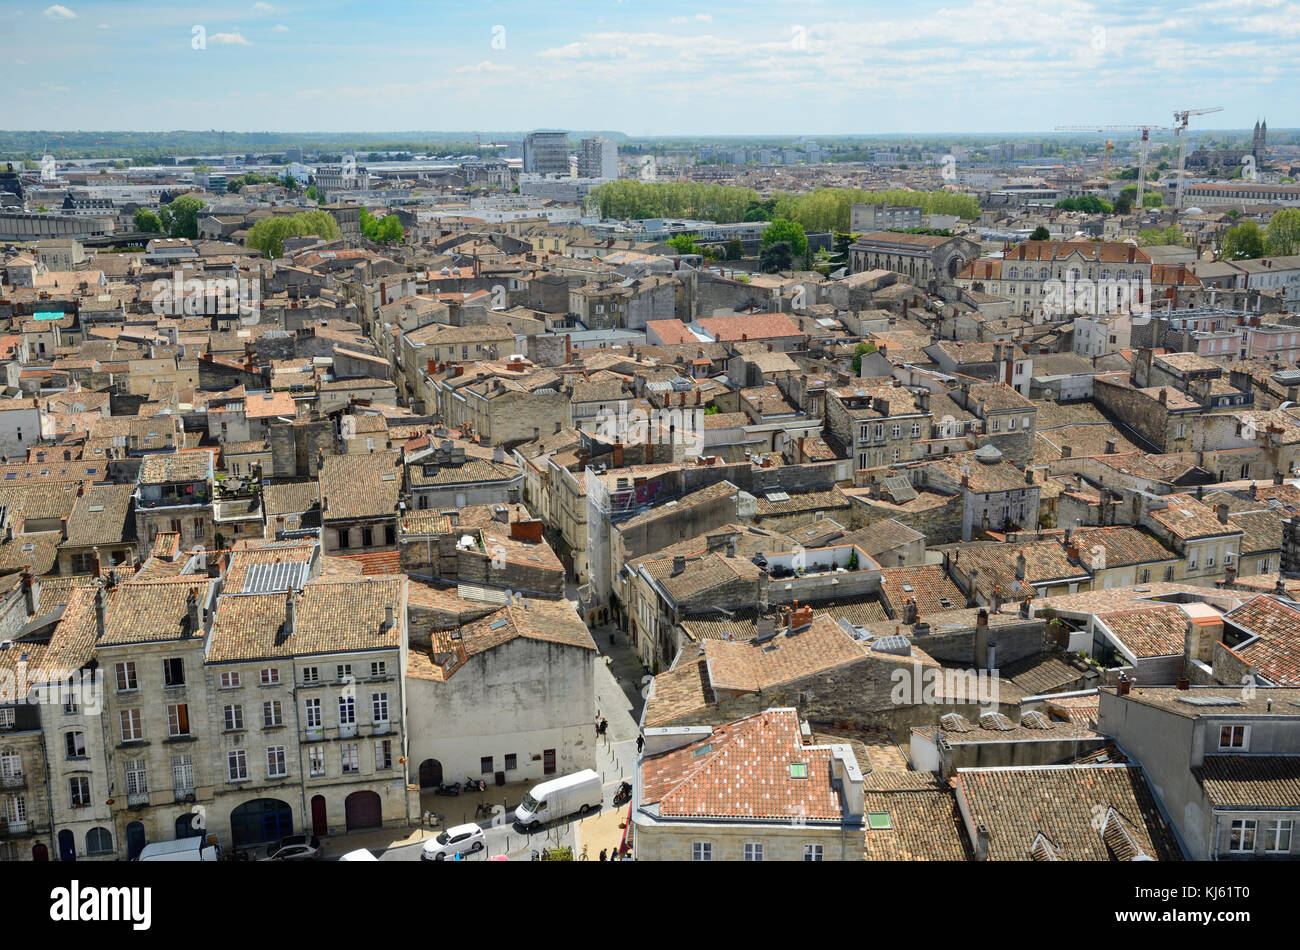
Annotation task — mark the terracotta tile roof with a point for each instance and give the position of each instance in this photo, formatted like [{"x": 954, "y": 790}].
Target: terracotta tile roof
[
  {"x": 1158, "y": 630},
  {"x": 1187, "y": 518},
  {"x": 1064, "y": 804},
  {"x": 1049, "y": 673},
  {"x": 1251, "y": 781},
  {"x": 379, "y": 562},
  {"x": 743, "y": 771},
  {"x": 176, "y": 467},
  {"x": 360, "y": 485},
  {"x": 755, "y": 326},
  {"x": 1262, "y": 530},
  {"x": 752, "y": 666},
  {"x": 101, "y": 516},
  {"x": 1100, "y": 252},
  {"x": 329, "y": 617},
  {"x": 929, "y": 584},
  {"x": 151, "y": 611}
]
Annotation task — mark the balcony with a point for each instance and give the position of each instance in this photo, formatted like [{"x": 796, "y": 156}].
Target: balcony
[
  {"x": 185, "y": 793},
  {"x": 137, "y": 799},
  {"x": 14, "y": 780},
  {"x": 381, "y": 728},
  {"x": 315, "y": 733},
  {"x": 14, "y": 829},
  {"x": 347, "y": 730}
]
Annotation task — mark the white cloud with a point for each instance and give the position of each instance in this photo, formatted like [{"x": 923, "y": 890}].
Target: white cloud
[
  {"x": 262, "y": 7},
  {"x": 229, "y": 39},
  {"x": 59, "y": 12},
  {"x": 103, "y": 26},
  {"x": 279, "y": 28}
]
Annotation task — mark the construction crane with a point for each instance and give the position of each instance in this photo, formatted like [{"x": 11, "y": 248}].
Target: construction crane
[
  {"x": 1146, "y": 131},
  {"x": 1180, "y": 129}
]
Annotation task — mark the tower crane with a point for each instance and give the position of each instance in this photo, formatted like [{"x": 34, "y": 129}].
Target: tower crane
[
  {"x": 1180, "y": 129},
  {"x": 1146, "y": 131}
]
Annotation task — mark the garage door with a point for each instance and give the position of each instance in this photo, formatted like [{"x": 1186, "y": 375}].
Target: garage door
[{"x": 363, "y": 810}]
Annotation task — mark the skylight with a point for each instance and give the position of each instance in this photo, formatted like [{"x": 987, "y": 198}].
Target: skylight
[
  {"x": 879, "y": 821},
  {"x": 798, "y": 769}
]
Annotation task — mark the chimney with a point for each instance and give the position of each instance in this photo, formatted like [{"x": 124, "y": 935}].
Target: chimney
[
  {"x": 97, "y": 569},
  {"x": 1111, "y": 446},
  {"x": 1122, "y": 685},
  {"x": 910, "y": 612},
  {"x": 498, "y": 454},
  {"x": 101, "y": 611},
  {"x": 983, "y": 643},
  {"x": 1164, "y": 397},
  {"x": 1020, "y": 566},
  {"x": 981, "y": 843},
  {"x": 1066, "y": 451},
  {"x": 29, "y": 592},
  {"x": 192, "y": 616},
  {"x": 388, "y": 618},
  {"x": 290, "y": 608},
  {"x": 800, "y": 616},
  {"x": 1222, "y": 511},
  {"x": 970, "y": 595},
  {"x": 679, "y": 564}
]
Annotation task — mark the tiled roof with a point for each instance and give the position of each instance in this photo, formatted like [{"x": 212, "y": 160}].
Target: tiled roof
[
  {"x": 1189, "y": 519},
  {"x": 176, "y": 467},
  {"x": 1251, "y": 781},
  {"x": 100, "y": 516},
  {"x": 1064, "y": 804},
  {"x": 742, "y": 771},
  {"x": 360, "y": 485},
  {"x": 929, "y": 584},
  {"x": 752, "y": 666},
  {"x": 152, "y": 611},
  {"x": 1158, "y": 630}
]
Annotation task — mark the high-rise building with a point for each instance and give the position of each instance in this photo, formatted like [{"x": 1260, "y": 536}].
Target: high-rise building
[
  {"x": 546, "y": 153},
  {"x": 598, "y": 158}
]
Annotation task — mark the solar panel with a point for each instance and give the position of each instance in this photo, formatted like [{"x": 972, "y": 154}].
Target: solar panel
[
  {"x": 900, "y": 488},
  {"x": 895, "y": 643},
  {"x": 270, "y": 578},
  {"x": 776, "y": 495},
  {"x": 1209, "y": 700}
]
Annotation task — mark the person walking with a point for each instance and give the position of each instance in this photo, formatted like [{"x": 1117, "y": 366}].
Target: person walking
[
  {"x": 640, "y": 744},
  {"x": 602, "y": 854}
]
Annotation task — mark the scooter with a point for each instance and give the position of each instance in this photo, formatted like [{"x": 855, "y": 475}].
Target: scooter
[
  {"x": 444, "y": 789},
  {"x": 624, "y": 794},
  {"x": 475, "y": 784}
]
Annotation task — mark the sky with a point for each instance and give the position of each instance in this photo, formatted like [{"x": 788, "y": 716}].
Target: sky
[{"x": 646, "y": 67}]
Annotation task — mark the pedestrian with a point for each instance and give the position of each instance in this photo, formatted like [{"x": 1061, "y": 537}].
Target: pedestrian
[
  {"x": 640, "y": 744},
  {"x": 602, "y": 854},
  {"x": 604, "y": 724}
]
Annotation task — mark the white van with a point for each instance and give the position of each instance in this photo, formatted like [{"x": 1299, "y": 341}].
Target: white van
[
  {"x": 561, "y": 797},
  {"x": 361, "y": 854},
  {"x": 195, "y": 848}
]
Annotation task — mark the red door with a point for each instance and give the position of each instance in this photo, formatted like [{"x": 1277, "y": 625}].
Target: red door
[
  {"x": 319, "y": 824},
  {"x": 363, "y": 810}
]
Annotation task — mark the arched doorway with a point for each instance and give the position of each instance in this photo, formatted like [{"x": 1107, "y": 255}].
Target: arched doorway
[
  {"x": 40, "y": 852},
  {"x": 99, "y": 841},
  {"x": 319, "y": 819},
  {"x": 67, "y": 845},
  {"x": 134, "y": 840},
  {"x": 260, "y": 821},
  {"x": 363, "y": 810},
  {"x": 430, "y": 773},
  {"x": 188, "y": 825}
]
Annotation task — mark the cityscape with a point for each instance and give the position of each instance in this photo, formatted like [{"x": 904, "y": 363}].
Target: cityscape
[{"x": 626, "y": 485}]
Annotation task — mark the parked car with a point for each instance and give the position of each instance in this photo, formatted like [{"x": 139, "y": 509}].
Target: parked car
[
  {"x": 361, "y": 854},
  {"x": 294, "y": 848},
  {"x": 463, "y": 839},
  {"x": 183, "y": 849}
]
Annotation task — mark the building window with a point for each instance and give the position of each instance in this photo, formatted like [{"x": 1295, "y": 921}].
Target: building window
[
  {"x": 236, "y": 765},
  {"x": 347, "y": 710},
  {"x": 229, "y": 680},
  {"x": 79, "y": 789},
  {"x": 916, "y": 430},
  {"x": 313, "y": 714},
  {"x": 343, "y": 538},
  {"x": 1242, "y": 837},
  {"x": 270, "y": 676},
  {"x": 367, "y": 537},
  {"x": 131, "y": 725},
  {"x": 1277, "y": 835},
  {"x": 1234, "y": 738},
  {"x": 343, "y": 672},
  {"x": 379, "y": 707},
  {"x": 1169, "y": 573},
  {"x": 275, "y": 762},
  {"x": 137, "y": 782},
  {"x": 1144, "y": 575},
  {"x": 74, "y": 743},
  {"x": 316, "y": 759},
  {"x": 390, "y": 535},
  {"x": 99, "y": 841},
  {"x": 485, "y": 765},
  {"x": 378, "y": 669},
  {"x": 351, "y": 760},
  {"x": 178, "y": 720},
  {"x": 174, "y": 672},
  {"x": 126, "y": 680},
  {"x": 995, "y": 425},
  {"x": 272, "y": 715},
  {"x": 511, "y": 762},
  {"x": 311, "y": 674},
  {"x": 753, "y": 851},
  {"x": 183, "y": 774},
  {"x": 812, "y": 852},
  {"x": 234, "y": 718},
  {"x": 701, "y": 851}
]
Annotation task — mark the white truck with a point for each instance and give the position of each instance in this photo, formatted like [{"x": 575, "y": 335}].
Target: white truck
[
  {"x": 561, "y": 797},
  {"x": 195, "y": 848}
]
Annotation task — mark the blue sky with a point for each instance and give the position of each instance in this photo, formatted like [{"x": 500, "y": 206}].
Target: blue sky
[{"x": 812, "y": 67}]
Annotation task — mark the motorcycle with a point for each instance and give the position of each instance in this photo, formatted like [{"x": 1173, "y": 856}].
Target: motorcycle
[
  {"x": 624, "y": 794},
  {"x": 475, "y": 784},
  {"x": 445, "y": 789}
]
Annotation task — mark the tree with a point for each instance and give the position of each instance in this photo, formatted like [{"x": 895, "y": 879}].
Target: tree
[
  {"x": 684, "y": 244},
  {"x": 859, "y": 351},
  {"x": 165, "y": 216},
  {"x": 385, "y": 230},
  {"x": 1244, "y": 242},
  {"x": 1152, "y": 199},
  {"x": 269, "y": 234},
  {"x": 1172, "y": 235},
  {"x": 185, "y": 216},
  {"x": 789, "y": 232},
  {"x": 146, "y": 220},
  {"x": 1282, "y": 237},
  {"x": 1040, "y": 234},
  {"x": 735, "y": 250},
  {"x": 776, "y": 257},
  {"x": 1087, "y": 203}
]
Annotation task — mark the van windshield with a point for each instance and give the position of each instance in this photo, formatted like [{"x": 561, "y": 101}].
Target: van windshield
[{"x": 530, "y": 803}]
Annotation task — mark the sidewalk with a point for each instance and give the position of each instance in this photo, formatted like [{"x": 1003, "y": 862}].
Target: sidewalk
[{"x": 600, "y": 832}]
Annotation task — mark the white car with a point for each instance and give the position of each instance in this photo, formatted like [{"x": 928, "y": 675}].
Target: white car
[{"x": 463, "y": 839}]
